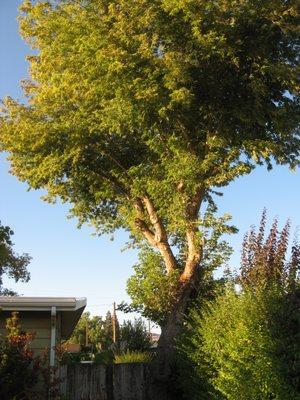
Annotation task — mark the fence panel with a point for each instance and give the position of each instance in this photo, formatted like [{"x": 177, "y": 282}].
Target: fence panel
[
  {"x": 105, "y": 382},
  {"x": 88, "y": 382},
  {"x": 130, "y": 381}
]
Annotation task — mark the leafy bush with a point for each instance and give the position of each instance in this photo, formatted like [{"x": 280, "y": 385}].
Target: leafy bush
[
  {"x": 265, "y": 261},
  {"x": 18, "y": 368},
  {"x": 133, "y": 357},
  {"x": 245, "y": 347},
  {"x": 245, "y": 344}
]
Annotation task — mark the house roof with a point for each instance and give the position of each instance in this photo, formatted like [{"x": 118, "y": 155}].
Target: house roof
[
  {"x": 70, "y": 308},
  {"x": 20, "y": 303}
]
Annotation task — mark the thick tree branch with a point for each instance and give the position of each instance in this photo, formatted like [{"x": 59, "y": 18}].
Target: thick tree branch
[
  {"x": 158, "y": 238},
  {"x": 194, "y": 248},
  {"x": 146, "y": 231},
  {"x": 160, "y": 232},
  {"x": 194, "y": 254},
  {"x": 194, "y": 204}
]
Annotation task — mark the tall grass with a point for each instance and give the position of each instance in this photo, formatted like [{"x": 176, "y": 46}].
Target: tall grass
[{"x": 133, "y": 357}]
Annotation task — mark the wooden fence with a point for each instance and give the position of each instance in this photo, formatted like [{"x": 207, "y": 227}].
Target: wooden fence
[{"x": 101, "y": 382}]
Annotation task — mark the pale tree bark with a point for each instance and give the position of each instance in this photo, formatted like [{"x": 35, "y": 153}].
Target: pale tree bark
[
  {"x": 194, "y": 248},
  {"x": 188, "y": 287},
  {"x": 156, "y": 235}
]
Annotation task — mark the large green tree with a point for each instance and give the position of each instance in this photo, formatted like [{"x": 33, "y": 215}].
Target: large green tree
[{"x": 137, "y": 110}]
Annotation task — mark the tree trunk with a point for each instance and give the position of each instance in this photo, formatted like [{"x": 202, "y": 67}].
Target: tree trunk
[
  {"x": 170, "y": 330},
  {"x": 156, "y": 235}
]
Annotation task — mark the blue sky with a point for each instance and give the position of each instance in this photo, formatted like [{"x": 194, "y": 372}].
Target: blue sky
[{"x": 71, "y": 262}]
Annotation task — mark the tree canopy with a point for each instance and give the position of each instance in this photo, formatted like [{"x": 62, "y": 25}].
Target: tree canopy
[
  {"x": 95, "y": 332},
  {"x": 11, "y": 264},
  {"x": 138, "y": 110}
]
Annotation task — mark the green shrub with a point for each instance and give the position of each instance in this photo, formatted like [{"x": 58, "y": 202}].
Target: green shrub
[
  {"x": 18, "y": 368},
  {"x": 21, "y": 371},
  {"x": 133, "y": 357},
  {"x": 245, "y": 346}
]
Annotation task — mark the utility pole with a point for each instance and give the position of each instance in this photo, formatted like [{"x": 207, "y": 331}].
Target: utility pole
[
  {"x": 114, "y": 323},
  {"x": 87, "y": 333}
]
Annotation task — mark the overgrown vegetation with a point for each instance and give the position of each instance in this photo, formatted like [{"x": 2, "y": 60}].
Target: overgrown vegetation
[
  {"x": 134, "y": 336},
  {"x": 244, "y": 345}
]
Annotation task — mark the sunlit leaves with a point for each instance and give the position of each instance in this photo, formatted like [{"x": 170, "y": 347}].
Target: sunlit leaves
[
  {"x": 152, "y": 291},
  {"x": 245, "y": 346},
  {"x": 132, "y": 96},
  {"x": 164, "y": 98}
]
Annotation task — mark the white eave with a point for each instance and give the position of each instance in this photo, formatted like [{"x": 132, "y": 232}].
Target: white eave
[
  {"x": 70, "y": 308},
  {"x": 20, "y": 303}
]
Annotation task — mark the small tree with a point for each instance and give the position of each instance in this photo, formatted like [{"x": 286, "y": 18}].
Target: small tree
[
  {"x": 264, "y": 259},
  {"x": 97, "y": 334},
  {"x": 107, "y": 338},
  {"x": 134, "y": 336},
  {"x": 11, "y": 264}
]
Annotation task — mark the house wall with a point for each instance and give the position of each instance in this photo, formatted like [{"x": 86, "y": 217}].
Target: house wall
[{"x": 38, "y": 322}]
